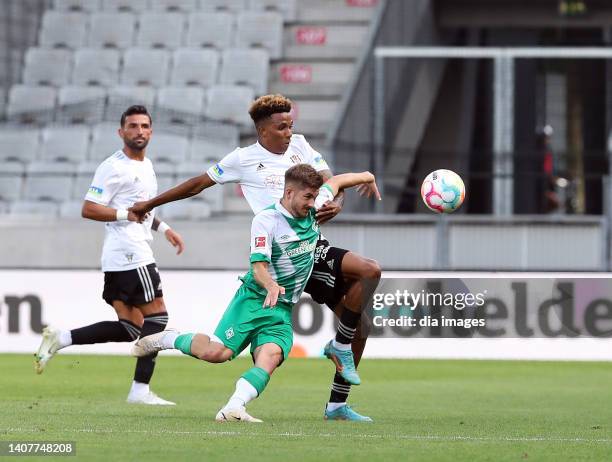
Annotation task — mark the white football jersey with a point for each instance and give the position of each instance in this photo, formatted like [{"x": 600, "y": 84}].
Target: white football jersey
[
  {"x": 261, "y": 173},
  {"x": 119, "y": 182}
]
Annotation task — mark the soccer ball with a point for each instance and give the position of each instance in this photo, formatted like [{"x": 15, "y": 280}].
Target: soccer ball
[{"x": 443, "y": 191}]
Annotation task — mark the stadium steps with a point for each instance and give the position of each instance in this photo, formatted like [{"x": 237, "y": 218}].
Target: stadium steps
[
  {"x": 309, "y": 41},
  {"x": 321, "y": 48},
  {"x": 310, "y": 79},
  {"x": 336, "y": 11}
]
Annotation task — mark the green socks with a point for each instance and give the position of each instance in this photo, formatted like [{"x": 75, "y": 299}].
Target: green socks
[
  {"x": 183, "y": 343},
  {"x": 257, "y": 377}
]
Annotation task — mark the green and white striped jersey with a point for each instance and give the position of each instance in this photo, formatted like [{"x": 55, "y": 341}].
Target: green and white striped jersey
[{"x": 288, "y": 244}]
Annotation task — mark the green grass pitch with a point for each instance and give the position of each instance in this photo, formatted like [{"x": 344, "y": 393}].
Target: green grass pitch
[{"x": 422, "y": 410}]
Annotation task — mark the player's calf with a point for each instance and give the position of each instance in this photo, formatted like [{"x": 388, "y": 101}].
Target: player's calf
[
  {"x": 140, "y": 391},
  {"x": 54, "y": 340}
]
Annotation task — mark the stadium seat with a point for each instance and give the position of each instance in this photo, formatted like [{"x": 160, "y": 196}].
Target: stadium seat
[
  {"x": 180, "y": 105},
  {"x": 164, "y": 172},
  {"x": 49, "y": 181},
  {"x": 42, "y": 209},
  {"x": 71, "y": 209},
  {"x": 173, "y": 129},
  {"x": 167, "y": 147},
  {"x": 19, "y": 143},
  {"x": 314, "y": 116},
  {"x": 214, "y": 196},
  {"x": 81, "y": 104},
  {"x": 189, "y": 209},
  {"x": 105, "y": 141},
  {"x": 47, "y": 67},
  {"x": 261, "y": 30},
  {"x": 244, "y": 66},
  {"x": 174, "y": 5},
  {"x": 223, "y": 133},
  {"x": 210, "y": 30},
  {"x": 28, "y": 104},
  {"x": 160, "y": 30},
  {"x": 135, "y": 6},
  {"x": 96, "y": 67},
  {"x": 209, "y": 151},
  {"x": 195, "y": 66},
  {"x": 77, "y": 5},
  {"x": 287, "y": 8},
  {"x": 229, "y": 103},
  {"x": 234, "y": 6},
  {"x": 123, "y": 96},
  {"x": 65, "y": 143},
  {"x": 61, "y": 29},
  {"x": 212, "y": 141},
  {"x": 11, "y": 180},
  {"x": 84, "y": 177},
  {"x": 145, "y": 67},
  {"x": 112, "y": 30}
]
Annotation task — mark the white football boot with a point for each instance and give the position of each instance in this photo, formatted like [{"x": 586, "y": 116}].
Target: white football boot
[
  {"x": 150, "y": 344},
  {"x": 48, "y": 347},
  {"x": 149, "y": 398},
  {"x": 235, "y": 415}
]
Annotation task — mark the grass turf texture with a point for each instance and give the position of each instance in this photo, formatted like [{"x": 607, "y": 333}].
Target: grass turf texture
[{"x": 423, "y": 410}]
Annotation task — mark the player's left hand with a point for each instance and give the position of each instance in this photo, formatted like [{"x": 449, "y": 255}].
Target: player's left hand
[
  {"x": 368, "y": 190},
  {"x": 329, "y": 210},
  {"x": 176, "y": 240},
  {"x": 274, "y": 291}
]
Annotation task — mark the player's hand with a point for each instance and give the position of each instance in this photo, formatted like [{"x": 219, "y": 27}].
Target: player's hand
[
  {"x": 133, "y": 217},
  {"x": 141, "y": 210},
  {"x": 274, "y": 290},
  {"x": 176, "y": 240},
  {"x": 329, "y": 210},
  {"x": 369, "y": 190}
]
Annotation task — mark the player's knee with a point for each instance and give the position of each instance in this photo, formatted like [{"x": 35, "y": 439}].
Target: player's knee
[
  {"x": 132, "y": 331},
  {"x": 371, "y": 270}
]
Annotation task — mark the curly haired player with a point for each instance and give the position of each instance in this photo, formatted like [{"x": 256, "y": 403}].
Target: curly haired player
[{"x": 341, "y": 279}]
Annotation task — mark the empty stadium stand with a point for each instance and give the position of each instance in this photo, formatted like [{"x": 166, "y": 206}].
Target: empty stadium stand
[{"x": 197, "y": 65}]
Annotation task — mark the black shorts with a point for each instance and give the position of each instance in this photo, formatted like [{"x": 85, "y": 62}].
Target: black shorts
[
  {"x": 326, "y": 284},
  {"x": 133, "y": 287}
]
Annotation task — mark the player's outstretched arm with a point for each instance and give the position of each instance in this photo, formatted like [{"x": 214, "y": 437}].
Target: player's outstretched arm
[
  {"x": 365, "y": 180},
  {"x": 99, "y": 212},
  {"x": 263, "y": 278},
  {"x": 184, "y": 190}
]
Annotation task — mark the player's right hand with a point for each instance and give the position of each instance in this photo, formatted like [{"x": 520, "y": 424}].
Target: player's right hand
[
  {"x": 272, "y": 297},
  {"x": 140, "y": 210},
  {"x": 133, "y": 217}
]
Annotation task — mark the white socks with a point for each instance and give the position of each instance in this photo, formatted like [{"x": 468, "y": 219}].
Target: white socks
[
  {"x": 333, "y": 406},
  {"x": 65, "y": 338},
  {"x": 139, "y": 388},
  {"x": 341, "y": 346},
  {"x": 244, "y": 393},
  {"x": 169, "y": 339}
]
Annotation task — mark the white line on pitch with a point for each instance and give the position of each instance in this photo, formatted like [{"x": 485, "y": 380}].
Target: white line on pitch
[{"x": 330, "y": 435}]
